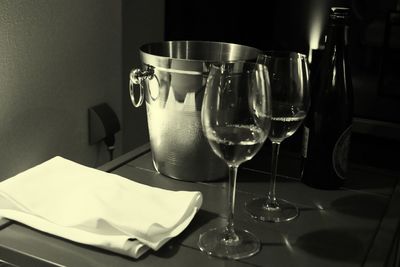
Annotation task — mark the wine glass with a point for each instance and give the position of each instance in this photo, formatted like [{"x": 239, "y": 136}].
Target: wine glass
[
  {"x": 235, "y": 118},
  {"x": 288, "y": 72}
]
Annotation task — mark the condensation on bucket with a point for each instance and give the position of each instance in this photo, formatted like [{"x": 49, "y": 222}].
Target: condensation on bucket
[{"x": 176, "y": 137}]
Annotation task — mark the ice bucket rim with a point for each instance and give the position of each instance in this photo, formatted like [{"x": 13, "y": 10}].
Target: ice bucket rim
[{"x": 179, "y": 56}]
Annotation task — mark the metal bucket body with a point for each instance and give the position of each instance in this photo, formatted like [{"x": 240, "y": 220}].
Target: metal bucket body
[{"x": 173, "y": 81}]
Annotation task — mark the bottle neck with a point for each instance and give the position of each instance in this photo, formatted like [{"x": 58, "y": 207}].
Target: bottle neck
[
  {"x": 337, "y": 38},
  {"x": 337, "y": 34}
]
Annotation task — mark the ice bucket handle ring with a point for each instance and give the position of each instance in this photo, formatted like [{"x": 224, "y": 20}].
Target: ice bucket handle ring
[{"x": 136, "y": 77}]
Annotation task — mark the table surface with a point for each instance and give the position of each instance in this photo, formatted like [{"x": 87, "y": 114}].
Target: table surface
[{"x": 354, "y": 226}]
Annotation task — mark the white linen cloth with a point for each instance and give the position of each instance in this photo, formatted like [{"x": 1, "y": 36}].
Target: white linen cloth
[{"x": 96, "y": 208}]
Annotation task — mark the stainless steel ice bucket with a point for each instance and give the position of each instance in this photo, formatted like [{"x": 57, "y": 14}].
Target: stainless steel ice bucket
[{"x": 172, "y": 80}]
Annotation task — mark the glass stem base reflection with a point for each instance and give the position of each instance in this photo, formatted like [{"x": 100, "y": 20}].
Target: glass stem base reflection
[
  {"x": 278, "y": 211},
  {"x": 218, "y": 242}
]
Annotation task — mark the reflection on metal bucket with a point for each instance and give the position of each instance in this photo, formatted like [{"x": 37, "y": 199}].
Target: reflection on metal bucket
[{"x": 172, "y": 83}]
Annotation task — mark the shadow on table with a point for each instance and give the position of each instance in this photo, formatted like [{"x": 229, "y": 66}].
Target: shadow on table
[
  {"x": 365, "y": 179},
  {"x": 168, "y": 250},
  {"x": 171, "y": 247},
  {"x": 361, "y": 205},
  {"x": 334, "y": 244}
]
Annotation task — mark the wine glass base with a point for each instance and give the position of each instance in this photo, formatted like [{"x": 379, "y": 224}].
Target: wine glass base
[
  {"x": 282, "y": 212},
  {"x": 213, "y": 243}
]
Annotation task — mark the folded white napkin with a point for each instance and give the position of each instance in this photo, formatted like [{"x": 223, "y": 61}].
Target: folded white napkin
[{"x": 96, "y": 208}]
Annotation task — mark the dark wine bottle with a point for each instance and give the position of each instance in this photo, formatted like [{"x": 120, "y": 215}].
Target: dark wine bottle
[{"x": 327, "y": 128}]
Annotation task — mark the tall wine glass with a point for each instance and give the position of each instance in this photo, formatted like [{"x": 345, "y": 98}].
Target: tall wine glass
[
  {"x": 235, "y": 117},
  {"x": 290, "y": 101}
]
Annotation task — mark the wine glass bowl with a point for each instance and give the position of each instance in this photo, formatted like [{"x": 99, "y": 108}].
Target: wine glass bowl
[
  {"x": 289, "y": 80},
  {"x": 236, "y": 117}
]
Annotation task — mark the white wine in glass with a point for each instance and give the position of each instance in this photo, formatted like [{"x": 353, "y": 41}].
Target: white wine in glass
[
  {"x": 290, "y": 101},
  {"x": 236, "y": 116}
]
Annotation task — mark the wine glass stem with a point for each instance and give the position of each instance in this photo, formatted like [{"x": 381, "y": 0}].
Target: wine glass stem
[
  {"x": 230, "y": 236},
  {"x": 271, "y": 199}
]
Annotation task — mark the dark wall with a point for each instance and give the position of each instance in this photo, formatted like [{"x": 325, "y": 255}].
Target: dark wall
[
  {"x": 291, "y": 25},
  {"x": 262, "y": 24}
]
